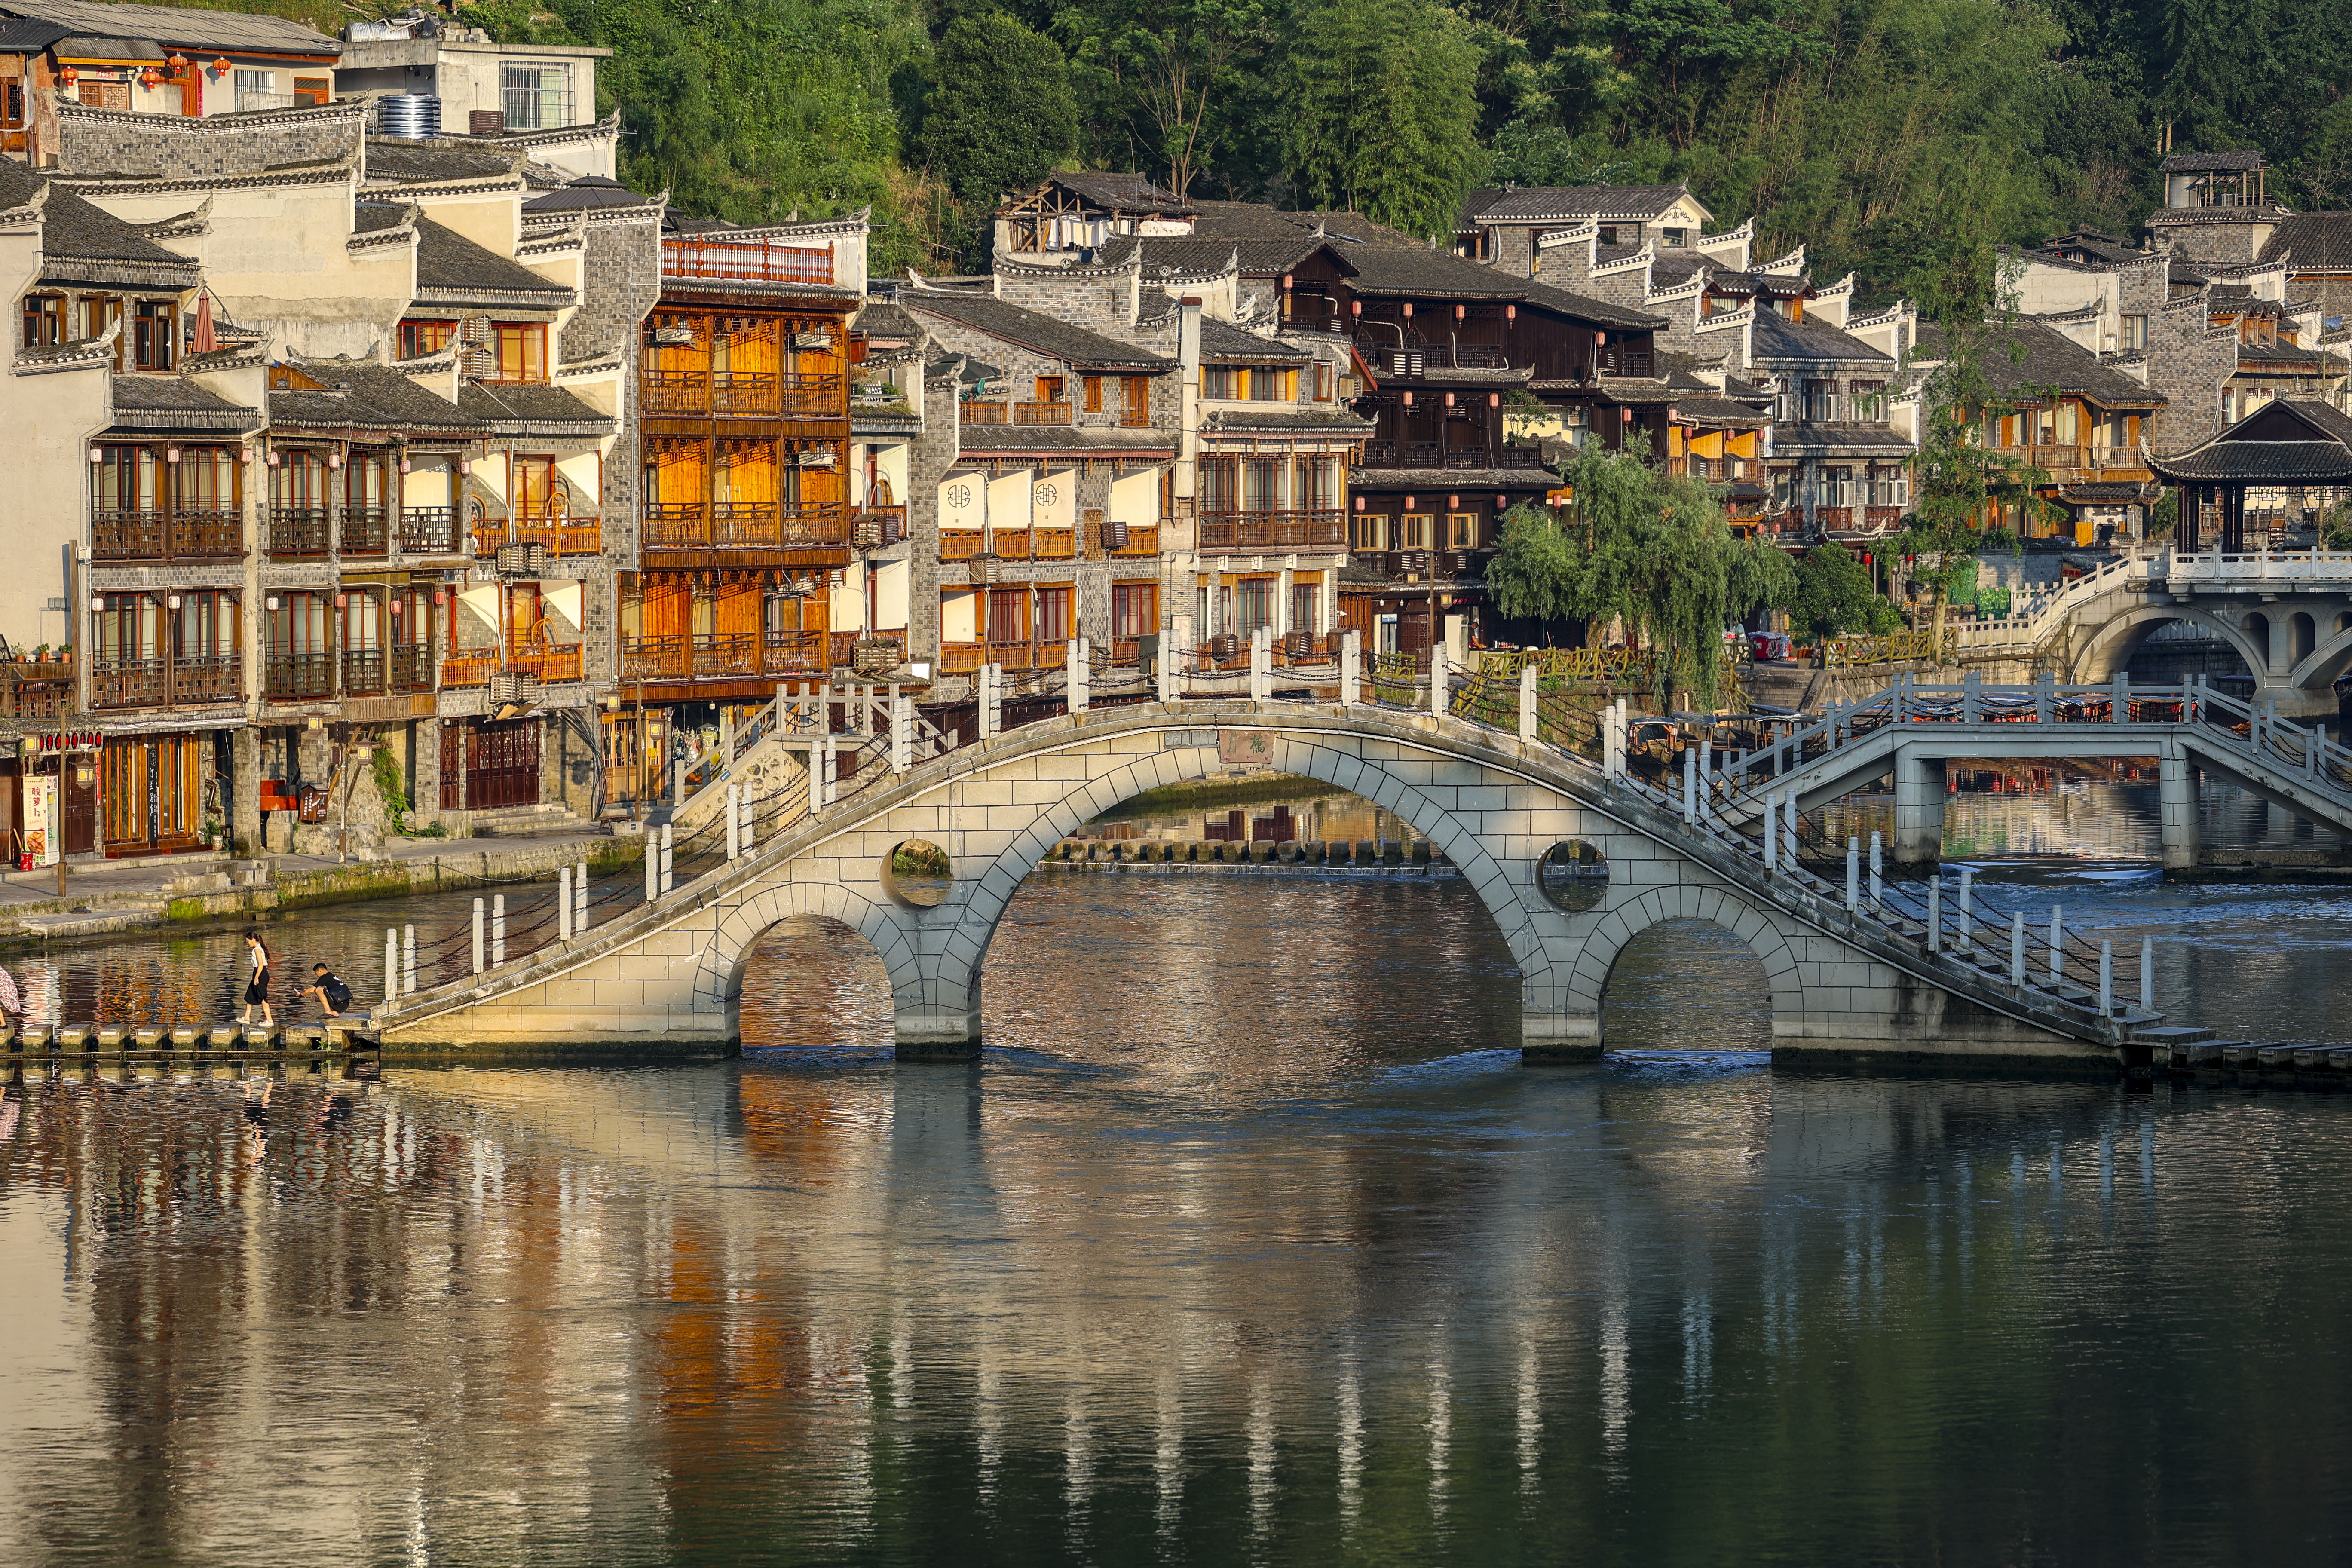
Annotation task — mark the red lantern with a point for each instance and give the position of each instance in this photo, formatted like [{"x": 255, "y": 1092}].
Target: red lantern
[
  {"x": 69, "y": 76},
  {"x": 220, "y": 66}
]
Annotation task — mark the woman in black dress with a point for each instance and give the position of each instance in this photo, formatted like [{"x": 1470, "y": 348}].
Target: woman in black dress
[{"x": 257, "y": 987}]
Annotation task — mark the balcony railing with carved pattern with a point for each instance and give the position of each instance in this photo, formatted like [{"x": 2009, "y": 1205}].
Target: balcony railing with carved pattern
[
  {"x": 1272, "y": 530},
  {"x": 676, "y": 525},
  {"x": 558, "y": 534},
  {"x": 191, "y": 535},
  {"x": 727, "y": 653},
  {"x": 549, "y": 664},
  {"x": 207, "y": 678},
  {"x": 297, "y": 677},
  {"x": 814, "y": 397},
  {"x": 656, "y": 657},
  {"x": 1041, "y": 414},
  {"x": 1053, "y": 544},
  {"x": 298, "y": 531},
  {"x": 36, "y": 691},
  {"x": 1009, "y": 543},
  {"x": 788, "y": 651},
  {"x": 987, "y": 414},
  {"x": 363, "y": 671},
  {"x": 676, "y": 391},
  {"x": 412, "y": 667},
  {"x": 129, "y": 683},
  {"x": 961, "y": 544},
  {"x": 473, "y": 667},
  {"x": 428, "y": 530},
  {"x": 748, "y": 392},
  {"x": 366, "y": 530},
  {"x": 1142, "y": 539}
]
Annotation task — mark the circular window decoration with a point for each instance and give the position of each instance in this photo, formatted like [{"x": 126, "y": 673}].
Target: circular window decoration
[
  {"x": 1047, "y": 495},
  {"x": 1572, "y": 876},
  {"x": 958, "y": 496},
  {"x": 917, "y": 873}
]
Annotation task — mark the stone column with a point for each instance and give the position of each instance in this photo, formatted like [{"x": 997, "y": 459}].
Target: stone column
[
  {"x": 941, "y": 1023},
  {"x": 2177, "y": 798},
  {"x": 1918, "y": 810},
  {"x": 244, "y": 793}
]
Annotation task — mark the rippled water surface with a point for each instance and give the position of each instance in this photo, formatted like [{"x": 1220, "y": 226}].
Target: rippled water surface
[{"x": 1251, "y": 1241}]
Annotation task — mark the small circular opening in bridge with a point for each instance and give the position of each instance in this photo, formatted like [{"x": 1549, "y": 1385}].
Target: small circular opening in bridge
[
  {"x": 917, "y": 873},
  {"x": 1573, "y": 875}
]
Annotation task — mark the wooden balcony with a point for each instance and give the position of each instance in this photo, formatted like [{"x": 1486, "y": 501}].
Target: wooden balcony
[
  {"x": 165, "y": 682},
  {"x": 412, "y": 667},
  {"x": 674, "y": 392},
  {"x": 473, "y": 667},
  {"x": 166, "y": 536},
  {"x": 1052, "y": 544},
  {"x": 297, "y": 533},
  {"x": 752, "y": 261},
  {"x": 987, "y": 414},
  {"x": 297, "y": 677},
  {"x": 723, "y": 656},
  {"x": 963, "y": 544},
  {"x": 428, "y": 530},
  {"x": 1273, "y": 529},
  {"x": 1142, "y": 539},
  {"x": 36, "y": 691},
  {"x": 551, "y": 665},
  {"x": 558, "y": 535},
  {"x": 744, "y": 525},
  {"x": 366, "y": 530},
  {"x": 813, "y": 397},
  {"x": 363, "y": 671},
  {"x": 1041, "y": 414}
]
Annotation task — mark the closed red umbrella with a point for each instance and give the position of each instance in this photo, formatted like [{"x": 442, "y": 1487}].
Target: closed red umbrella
[{"x": 206, "y": 341}]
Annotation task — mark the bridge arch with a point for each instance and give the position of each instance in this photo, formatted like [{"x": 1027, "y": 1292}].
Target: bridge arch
[
  {"x": 2323, "y": 664},
  {"x": 2111, "y": 645},
  {"x": 1717, "y": 906},
  {"x": 871, "y": 915}
]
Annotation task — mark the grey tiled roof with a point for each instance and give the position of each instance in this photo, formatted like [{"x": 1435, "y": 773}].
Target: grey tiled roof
[
  {"x": 219, "y": 30},
  {"x": 2048, "y": 358},
  {"x": 2261, "y": 462},
  {"x": 1431, "y": 480},
  {"x": 2222, "y": 163},
  {"x": 1584, "y": 308},
  {"x": 1011, "y": 438},
  {"x": 74, "y": 230},
  {"x": 1030, "y": 328},
  {"x": 1775, "y": 337},
  {"x": 1708, "y": 409},
  {"x": 447, "y": 263},
  {"x": 1223, "y": 340},
  {"x": 1257, "y": 221},
  {"x": 378, "y": 397},
  {"x": 507, "y": 404},
  {"x": 403, "y": 162},
  {"x": 169, "y": 402},
  {"x": 1120, "y": 191},
  {"x": 589, "y": 191},
  {"x": 1418, "y": 272},
  {"x": 2313, "y": 240},
  {"x": 1853, "y": 440},
  {"x": 1290, "y": 417},
  {"x": 1534, "y": 202}
]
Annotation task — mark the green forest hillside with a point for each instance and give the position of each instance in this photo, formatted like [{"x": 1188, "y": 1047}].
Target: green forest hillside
[{"x": 1871, "y": 131}]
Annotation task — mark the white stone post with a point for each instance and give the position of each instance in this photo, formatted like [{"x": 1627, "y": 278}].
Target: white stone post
[
  {"x": 1261, "y": 666},
  {"x": 1440, "y": 676},
  {"x": 1790, "y": 811},
  {"x": 664, "y": 857},
  {"x": 564, "y": 903},
  {"x": 727, "y": 801},
  {"x": 1966, "y": 941},
  {"x": 1163, "y": 670},
  {"x": 390, "y": 964},
  {"x": 478, "y": 936},
  {"x": 2147, "y": 974},
  {"x": 1352, "y": 669},
  {"x": 1079, "y": 673},
  {"x": 902, "y": 733},
  {"x": 2057, "y": 936},
  {"x": 1690, "y": 786},
  {"x": 991, "y": 704},
  {"x": 1771, "y": 829},
  {"x": 831, "y": 775},
  {"x": 2017, "y": 950},
  {"x": 408, "y": 959},
  {"x": 652, "y": 867},
  {"x": 1528, "y": 674},
  {"x": 498, "y": 929},
  {"x": 1935, "y": 911},
  {"x": 579, "y": 899},
  {"x": 2119, "y": 704},
  {"x": 1877, "y": 866},
  {"x": 2106, "y": 980}
]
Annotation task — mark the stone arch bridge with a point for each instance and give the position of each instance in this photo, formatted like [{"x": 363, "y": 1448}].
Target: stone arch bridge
[{"x": 1846, "y": 978}]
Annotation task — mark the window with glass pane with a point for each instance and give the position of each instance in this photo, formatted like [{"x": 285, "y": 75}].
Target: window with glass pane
[
  {"x": 298, "y": 481},
  {"x": 1008, "y": 615},
  {"x": 1268, "y": 384},
  {"x": 1139, "y": 400},
  {"x": 207, "y": 626},
  {"x": 1413, "y": 531},
  {"x": 365, "y": 482},
  {"x": 535, "y": 486},
  {"x": 1054, "y": 622},
  {"x": 1093, "y": 394},
  {"x": 1220, "y": 381},
  {"x": 299, "y": 625},
  {"x": 127, "y": 627},
  {"x": 208, "y": 479},
  {"x": 128, "y": 479},
  {"x": 418, "y": 338},
  {"x": 45, "y": 319},
  {"x": 535, "y": 96},
  {"x": 523, "y": 351},
  {"x": 1368, "y": 531},
  {"x": 1253, "y": 603},
  {"x": 363, "y": 623},
  {"x": 1262, "y": 484},
  {"x": 1306, "y": 608},
  {"x": 1461, "y": 530},
  {"x": 154, "y": 334},
  {"x": 1217, "y": 485},
  {"x": 1134, "y": 609}
]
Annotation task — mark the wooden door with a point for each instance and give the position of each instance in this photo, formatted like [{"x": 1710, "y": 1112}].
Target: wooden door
[
  {"x": 502, "y": 765},
  {"x": 80, "y": 788}
]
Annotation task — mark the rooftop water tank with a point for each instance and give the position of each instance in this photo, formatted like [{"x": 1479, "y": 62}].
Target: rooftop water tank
[{"x": 414, "y": 115}]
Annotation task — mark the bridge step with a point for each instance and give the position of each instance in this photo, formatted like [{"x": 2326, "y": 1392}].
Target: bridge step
[
  {"x": 2324, "y": 1057},
  {"x": 2172, "y": 1034},
  {"x": 2240, "y": 1054}
]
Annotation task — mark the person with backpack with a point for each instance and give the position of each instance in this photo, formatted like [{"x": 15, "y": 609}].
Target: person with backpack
[{"x": 329, "y": 988}]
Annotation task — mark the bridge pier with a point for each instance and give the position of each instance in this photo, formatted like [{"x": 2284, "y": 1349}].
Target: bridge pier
[
  {"x": 2177, "y": 808},
  {"x": 1549, "y": 1037},
  {"x": 930, "y": 1032},
  {"x": 1918, "y": 810}
]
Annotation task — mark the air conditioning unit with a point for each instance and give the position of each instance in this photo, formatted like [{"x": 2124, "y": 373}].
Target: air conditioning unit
[
  {"x": 1114, "y": 534},
  {"x": 507, "y": 688}
]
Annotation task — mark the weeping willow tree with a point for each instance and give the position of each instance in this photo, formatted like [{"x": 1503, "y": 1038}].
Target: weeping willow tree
[{"x": 1647, "y": 551}]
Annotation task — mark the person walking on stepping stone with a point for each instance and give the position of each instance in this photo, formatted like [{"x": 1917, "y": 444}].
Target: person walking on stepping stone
[{"x": 257, "y": 987}]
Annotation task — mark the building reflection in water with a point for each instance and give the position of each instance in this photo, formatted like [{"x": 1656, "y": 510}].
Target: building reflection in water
[{"x": 1217, "y": 1258}]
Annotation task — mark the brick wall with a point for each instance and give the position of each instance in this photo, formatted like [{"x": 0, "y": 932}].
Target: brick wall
[
  {"x": 1098, "y": 300},
  {"x": 622, "y": 274},
  {"x": 2188, "y": 362}
]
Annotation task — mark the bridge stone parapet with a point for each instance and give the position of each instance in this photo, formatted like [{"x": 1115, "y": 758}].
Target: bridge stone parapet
[{"x": 670, "y": 975}]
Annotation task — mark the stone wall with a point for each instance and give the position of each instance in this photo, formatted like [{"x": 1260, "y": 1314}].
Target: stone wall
[
  {"x": 2189, "y": 361},
  {"x": 620, "y": 272},
  {"x": 167, "y": 147}
]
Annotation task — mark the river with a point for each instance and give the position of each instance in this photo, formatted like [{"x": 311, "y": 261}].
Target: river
[{"x": 1250, "y": 1241}]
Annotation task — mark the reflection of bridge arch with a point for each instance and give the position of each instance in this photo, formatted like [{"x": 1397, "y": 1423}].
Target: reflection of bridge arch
[
  {"x": 2112, "y": 642},
  {"x": 670, "y": 974}
]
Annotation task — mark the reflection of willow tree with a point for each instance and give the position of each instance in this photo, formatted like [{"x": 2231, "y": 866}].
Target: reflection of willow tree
[{"x": 1648, "y": 553}]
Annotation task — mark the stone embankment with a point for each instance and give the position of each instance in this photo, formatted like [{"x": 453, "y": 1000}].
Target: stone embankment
[{"x": 104, "y": 898}]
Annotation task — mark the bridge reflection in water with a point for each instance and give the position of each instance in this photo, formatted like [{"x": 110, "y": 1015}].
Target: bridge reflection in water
[{"x": 1199, "y": 1269}]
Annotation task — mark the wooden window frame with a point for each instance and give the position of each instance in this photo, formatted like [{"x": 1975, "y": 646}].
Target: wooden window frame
[
  {"x": 1093, "y": 394},
  {"x": 530, "y": 356},
  {"x": 419, "y": 338},
  {"x": 1124, "y": 623}
]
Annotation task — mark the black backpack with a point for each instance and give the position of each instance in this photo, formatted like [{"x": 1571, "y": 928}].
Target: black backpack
[{"x": 337, "y": 992}]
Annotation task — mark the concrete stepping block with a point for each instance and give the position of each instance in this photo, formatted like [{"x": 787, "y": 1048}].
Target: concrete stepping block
[
  {"x": 225, "y": 1034},
  {"x": 36, "y": 1036},
  {"x": 111, "y": 1035},
  {"x": 183, "y": 1038},
  {"x": 2241, "y": 1054},
  {"x": 2277, "y": 1056},
  {"x": 73, "y": 1036},
  {"x": 147, "y": 1039}
]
